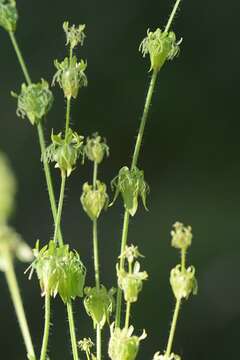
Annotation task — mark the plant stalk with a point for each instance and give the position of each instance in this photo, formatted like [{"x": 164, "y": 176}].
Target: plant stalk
[
  {"x": 46, "y": 326},
  {"x": 59, "y": 212},
  {"x": 40, "y": 132},
  {"x": 173, "y": 328},
  {"x": 18, "y": 305},
  {"x": 72, "y": 330}
]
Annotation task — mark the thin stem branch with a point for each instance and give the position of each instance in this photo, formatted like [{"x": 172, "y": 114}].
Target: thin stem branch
[
  {"x": 172, "y": 15},
  {"x": 68, "y": 115},
  {"x": 72, "y": 330},
  {"x": 60, "y": 206},
  {"x": 46, "y": 326},
  {"x": 18, "y": 305},
  {"x": 144, "y": 119},
  {"x": 96, "y": 263},
  {"x": 127, "y": 318},
  {"x": 173, "y": 328},
  {"x": 40, "y": 132},
  {"x": 20, "y": 58}
]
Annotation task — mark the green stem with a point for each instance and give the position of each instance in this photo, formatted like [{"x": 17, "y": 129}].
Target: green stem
[
  {"x": 96, "y": 263},
  {"x": 173, "y": 328},
  {"x": 68, "y": 115},
  {"x": 127, "y": 318},
  {"x": 46, "y": 326},
  {"x": 183, "y": 259},
  {"x": 20, "y": 58},
  {"x": 60, "y": 206},
  {"x": 72, "y": 330},
  {"x": 48, "y": 179},
  {"x": 40, "y": 133},
  {"x": 18, "y": 305},
  {"x": 171, "y": 17},
  {"x": 144, "y": 119}
]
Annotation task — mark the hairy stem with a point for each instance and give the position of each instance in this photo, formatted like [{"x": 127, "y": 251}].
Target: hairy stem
[
  {"x": 46, "y": 326},
  {"x": 18, "y": 305},
  {"x": 60, "y": 206},
  {"x": 72, "y": 330},
  {"x": 40, "y": 133}
]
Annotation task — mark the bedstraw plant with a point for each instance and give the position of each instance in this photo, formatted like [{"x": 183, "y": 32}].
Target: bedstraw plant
[{"x": 59, "y": 269}]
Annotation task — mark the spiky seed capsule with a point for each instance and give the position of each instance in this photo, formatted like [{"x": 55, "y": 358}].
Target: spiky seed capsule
[
  {"x": 65, "y": 151},
  {"x": 34, "y": 101},
  {"x": 131, "y": 283},
  {"x": 96, "y": 148},
  {"x": 158, "y": 356},
  {"x": 161, "y": 46},
  {"x": 11, "y": 244},
  {"x": 85, "y": 345},
  {"x": 70, "y": 76},
  {"x": 7, "y": 189},
  {"x": 94, "y": 200},
  {"x": 75, "y": 34},
  {"x": 8, "y": 15},
  {"x": 59, "y": 270},
  {"x": 131, "y": 184},
  {"x": 183, "y": 282},
  {"x": 123, "y": 345},
  {"x": 99, "y": 304},
  {"x": 181, "y": 236},
  {"x": 131, "y": 253}
]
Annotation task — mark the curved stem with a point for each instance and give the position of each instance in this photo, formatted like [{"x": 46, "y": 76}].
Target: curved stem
[
  {"x": 173, "y": 328},
  {"x": 72, "y": 330},
  {"x": 40, "y": 133},
  {"x": 60, "y": 206},
  {"x": 171, "y": 17},
  {"x": 46, "y": 326},
  {"x": 18, "y": 305}
]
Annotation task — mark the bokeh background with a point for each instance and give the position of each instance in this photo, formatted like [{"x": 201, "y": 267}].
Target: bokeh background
[{"x": 190, "y": 157}]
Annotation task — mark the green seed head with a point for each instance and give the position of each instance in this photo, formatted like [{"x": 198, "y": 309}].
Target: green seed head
[
  {"x": 12, "y": 244},
  {"x": 99, "y": 304},
  {"x": 183, "y": 282},
  {"x": 8, "y": 15},
  {"x": 85, "y": 345},
  {"x": 181, "y": 236},
  {"x": 70, "y": 76},
  {"x": 131, "y": 282},
  {"x": 65, "y": 151},
  {"x": 96, "y": 148},
  {"x": 74, "y": 34},
  {"x": 94, "y": 200},
  {"x": 160, "y": 46},
  {"x": 34, "y": 101},
  {"x": 7, "y": 189},
  {"x": 123, "y": 345},
  {"x": 131, "y": 185},
  {"x": 59, "y": 270}
]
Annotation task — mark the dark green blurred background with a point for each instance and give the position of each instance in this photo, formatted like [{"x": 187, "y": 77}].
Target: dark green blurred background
[{"x": 190, "y": 157}]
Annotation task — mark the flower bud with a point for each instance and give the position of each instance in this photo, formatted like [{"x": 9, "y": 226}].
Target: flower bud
[
  {"x": 65, "y": 151},
  {"x": 181, "y": 236},
  {"x": 71, "y": 76},
  {"x": 131, "y": 184},
  {"x": 158, "y": 356},
  {"x": 123, "y": 345},
  {"x": 86, "y": 345},
  {"x": 8, "y": 15},
  {"x": 161, "y": 46},
  {"x": 183, "y": 282},
  {"x": 95, "y": 149},
  {"x": 99, "y": 304},
  {"x": 75, "y": 35},
  {"x": 7, "y": 189},
  {"x": 59, "y": 270},
  {"x": 131, "y": 253},
  {"x": 94, "y": 201},
  {"x": 131, "y": 282},
  {"x": 12, "y": 244},
  {"x": 34, "y": 101}
]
